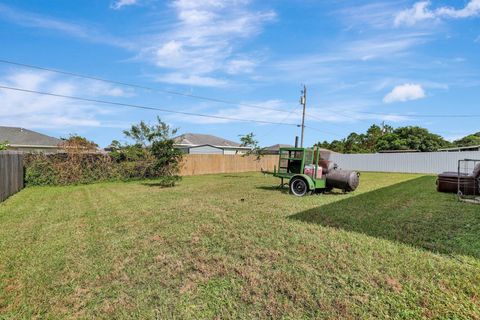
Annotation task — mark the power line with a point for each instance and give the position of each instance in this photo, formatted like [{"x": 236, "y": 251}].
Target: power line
[
  {"x": 132, "y": 85},
  {"x": 142, "y": 106},
  {"x": 416, "y": 115},
  {"x": 222, "y": 100},
  {"x": 323, "y": 131}
]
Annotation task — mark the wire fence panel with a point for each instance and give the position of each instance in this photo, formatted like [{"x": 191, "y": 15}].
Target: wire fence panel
[
  {"x": 414, "y": 162},
  {"x": 11, "y": 173},
  {"x": 468, "y": 180}
]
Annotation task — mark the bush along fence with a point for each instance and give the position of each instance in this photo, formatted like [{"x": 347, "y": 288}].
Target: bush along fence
[
  {"x": 84, "y": 168},
  {"x": 11, "y": 173}
]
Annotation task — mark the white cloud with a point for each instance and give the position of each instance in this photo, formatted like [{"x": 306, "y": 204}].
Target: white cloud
[
  {"x": 377, "y": 15},
  {"x": 122, "y": 3},
  {"x": 33, "y": 20},
  {"x": 244, "y": 112},
  {"x": 40, "y": 111},
  {"x": 405, "y": 92},
  {"x": 472, "y": 9},
  {"x": 421, "y": 11},
  {"x": 191, "y": 80},
  {"x": 205, "y": 37},
  {"x": 237, "y": 66}
]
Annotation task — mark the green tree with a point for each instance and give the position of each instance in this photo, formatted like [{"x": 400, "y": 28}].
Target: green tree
[
  {"x": 411, "y": 138},
  {"x": 249, "y": 141},
  {"x": 385, "y": 137},
  {"x": 158, "y": 140},
  {"x": 470, "y": 140},
  {"x": 373, "y": 134},
  {"x": 3, "y": 145},
  {"x": 355, "y": 143},
  {"x": 145, "y": 135}
]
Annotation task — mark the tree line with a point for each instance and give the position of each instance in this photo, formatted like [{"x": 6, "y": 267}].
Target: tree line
[{"x": 385, "y": 137}]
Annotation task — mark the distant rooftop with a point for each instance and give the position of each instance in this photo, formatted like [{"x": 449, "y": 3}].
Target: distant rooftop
[
  {"x": 196, "y": 139},
  {"x": 16, "y": 136},
  {"x": 278, "y": 146},
  {"x": 467, "y": 148}
]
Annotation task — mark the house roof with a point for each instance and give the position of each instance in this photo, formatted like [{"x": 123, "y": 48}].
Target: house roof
[
  {"x": 23, "y": 137},
  {"x": 461, "y": 148},
  {"x": 195, "y": 139},
  {"x": 278, "y": 146}
]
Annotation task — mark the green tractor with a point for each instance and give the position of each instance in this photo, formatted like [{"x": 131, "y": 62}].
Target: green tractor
[{"x": 307, "y": 173}]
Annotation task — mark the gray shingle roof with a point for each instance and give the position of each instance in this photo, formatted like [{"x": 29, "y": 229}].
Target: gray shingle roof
[
  {"x": 21, "y": 136},
  {"x": 276, "y": 147},
  {"x": 194, "y": 139}
]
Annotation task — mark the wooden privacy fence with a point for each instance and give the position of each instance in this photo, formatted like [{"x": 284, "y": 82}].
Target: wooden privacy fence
[
  {"x": 196, "y": 164},
  {"x": 11, "y": 173}
]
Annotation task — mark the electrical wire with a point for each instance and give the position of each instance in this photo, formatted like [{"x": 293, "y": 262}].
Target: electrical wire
[
  {"x": 222, "y": 100},
  {"x": 132, "y": 85},
  {"x": 142, "y": 106},
  {"x": 323, "y": 131},
  {"x": 416, "y": 115}
]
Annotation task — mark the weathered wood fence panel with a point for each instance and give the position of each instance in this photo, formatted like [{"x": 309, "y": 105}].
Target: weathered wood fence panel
[
  {"x": 197, "y": 164},
  {"x": 11, "y": 173}
]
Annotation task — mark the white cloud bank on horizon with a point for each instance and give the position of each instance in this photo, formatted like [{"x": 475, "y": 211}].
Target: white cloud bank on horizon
[
  {"x": 405, "y": 92},
  {"x": 421, "y": 11}
]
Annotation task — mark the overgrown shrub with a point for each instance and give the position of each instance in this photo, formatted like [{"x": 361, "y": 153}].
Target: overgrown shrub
[
  {"x": 3, "y": 145},
  {"x": 129, "y": 170},
  {"x": 152, "y": 156},
  {"x": 84, "y": 168},
  {"x": 39, "y": 170},
  {"x": 68, "y": 168}
]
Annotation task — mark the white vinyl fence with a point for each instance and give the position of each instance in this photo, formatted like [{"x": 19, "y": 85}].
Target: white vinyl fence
[{"x": 415, "y": 162}]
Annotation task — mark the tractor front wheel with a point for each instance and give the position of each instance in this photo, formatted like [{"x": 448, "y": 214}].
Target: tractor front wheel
[{"x": 298, "y": 187}]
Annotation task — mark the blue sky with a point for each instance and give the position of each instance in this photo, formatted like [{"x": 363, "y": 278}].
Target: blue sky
[{"x": 397, "y": 59}]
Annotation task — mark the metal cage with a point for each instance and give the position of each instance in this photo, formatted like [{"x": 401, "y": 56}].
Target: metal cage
[{"x": 468, "y": 181}]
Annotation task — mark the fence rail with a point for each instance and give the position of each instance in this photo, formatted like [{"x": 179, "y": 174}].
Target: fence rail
[
  {"x": 11, "y": 173},
  {"x": 415, "y": 162},
  {"x": 197, "y": 164}
]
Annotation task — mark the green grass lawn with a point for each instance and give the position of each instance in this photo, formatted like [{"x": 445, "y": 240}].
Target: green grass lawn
[{"x": 232, "y": 246}]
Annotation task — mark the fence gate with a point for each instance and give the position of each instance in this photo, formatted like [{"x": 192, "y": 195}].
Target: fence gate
[{"x": 11, "y": 173}]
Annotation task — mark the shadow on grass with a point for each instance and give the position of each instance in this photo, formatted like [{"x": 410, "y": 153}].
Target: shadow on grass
[
  {"x": 411, "y": 212},
  {"x": 278, "y": 188}
]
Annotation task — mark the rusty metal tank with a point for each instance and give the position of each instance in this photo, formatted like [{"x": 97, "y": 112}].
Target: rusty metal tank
[
  {"x": 327, "y": 166},
  {"x": 345, "y": 180}
]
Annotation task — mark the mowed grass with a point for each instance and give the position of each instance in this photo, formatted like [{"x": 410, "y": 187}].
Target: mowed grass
[{"x": 233, "y": 246}]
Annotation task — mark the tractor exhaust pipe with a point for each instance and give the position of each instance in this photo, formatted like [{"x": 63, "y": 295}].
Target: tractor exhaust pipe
[{"x": 296, "y": 141}]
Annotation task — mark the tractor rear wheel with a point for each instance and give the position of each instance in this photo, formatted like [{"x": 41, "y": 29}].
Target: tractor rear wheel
[{"x": 299, "y": 187}]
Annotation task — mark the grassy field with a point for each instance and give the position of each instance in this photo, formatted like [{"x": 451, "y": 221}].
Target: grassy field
[{"x": 233, "y": 246}]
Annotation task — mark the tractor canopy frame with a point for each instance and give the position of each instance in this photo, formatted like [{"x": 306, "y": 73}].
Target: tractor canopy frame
[{"x": 292, "y": 162}]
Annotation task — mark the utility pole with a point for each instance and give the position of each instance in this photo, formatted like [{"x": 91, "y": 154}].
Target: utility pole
[{"x": 303, "y": 102}]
